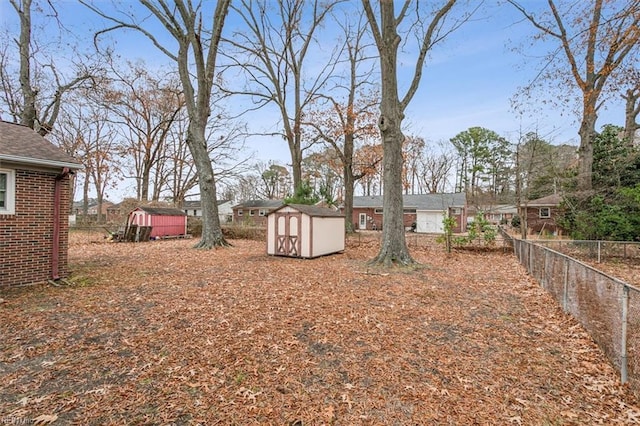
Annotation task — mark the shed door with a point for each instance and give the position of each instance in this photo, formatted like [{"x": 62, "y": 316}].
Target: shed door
[{"x": 288, "y": 227}]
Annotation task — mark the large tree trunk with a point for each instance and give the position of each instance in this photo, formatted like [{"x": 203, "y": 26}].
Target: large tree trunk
[
  {"x": 296, "y": 165},
  {"x": 28, "y": 116},
  {"x": 348, "y": 198},
  {"x": 211, "y": 230},
  {"x": 144, "y": 182},
  {"x": 585, "y": 151},
  {"x": 393, "y": 247},
  {"x": 349, "y": 182}
]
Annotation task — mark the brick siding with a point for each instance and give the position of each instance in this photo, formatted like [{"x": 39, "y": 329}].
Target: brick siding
[{"x": 26, "y": 238}]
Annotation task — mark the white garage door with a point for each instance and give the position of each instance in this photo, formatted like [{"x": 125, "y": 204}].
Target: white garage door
[{"x": 429, "y": 222}]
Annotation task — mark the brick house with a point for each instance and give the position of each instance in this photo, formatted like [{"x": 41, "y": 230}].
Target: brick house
[
  {"x": 422, "y": 212},
  {"x": 542, "y": 214},
  {"x": 34, "y": 207},
  {"x": 254, "y": 212}
]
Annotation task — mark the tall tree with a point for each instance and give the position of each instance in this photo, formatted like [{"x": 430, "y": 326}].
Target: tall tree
[
  {"x": 345, "y": 112},
  {"x": 385, "y": 28},
  {"x": 88, "y": 134},
  {"x": 412, "y": 150},
  {"x": 275, "y": 181},
  {"x": 197, "y": 43},
  {"x": 435, "y": 167},
  {"x": 483, "y": 155},
  {"x": 595, "y": 38},
  {"x": 35, "y": 99},
  {"x": 323, "y": 170},
  {"x": 367, "y": 165},
  {"x": 273, "y": 53},
  {"x": 146, "y": 108}
]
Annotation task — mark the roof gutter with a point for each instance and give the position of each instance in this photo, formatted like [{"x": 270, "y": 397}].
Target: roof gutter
[
  {"x": 40, "y": 162},
  {"x": 57, "y": 195}
]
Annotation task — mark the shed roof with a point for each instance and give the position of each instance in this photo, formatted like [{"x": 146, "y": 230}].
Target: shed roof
[
  {"x": 161, "y": 211},
  {"x": 262, "y": 204},
  {"x": 418, "y": 201},
  {"x": 21, "y": 144},
  {"x": 314, "y": 211}
]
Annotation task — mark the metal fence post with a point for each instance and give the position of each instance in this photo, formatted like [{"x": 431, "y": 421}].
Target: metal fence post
[
  {"x": 565, "y": 292},
  {"x": 623, "y": 343},
  {"x": 599, "y": 246}
]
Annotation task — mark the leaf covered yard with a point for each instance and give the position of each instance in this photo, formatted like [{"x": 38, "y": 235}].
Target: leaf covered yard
[{"x": 160, "y": 333}]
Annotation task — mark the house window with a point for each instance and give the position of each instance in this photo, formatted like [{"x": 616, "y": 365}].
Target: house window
[
  {"x": 377, "y": 211},
  {"x": 7, "y": 191},
  {"x": 455, "y": 211},
  {"x": 240, "y": 212},
  {"x": 545, "y": 212},
  {"x": 262, "y": 212},
  {"x": 251, "y": 212}
]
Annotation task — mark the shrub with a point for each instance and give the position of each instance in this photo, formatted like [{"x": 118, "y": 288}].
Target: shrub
[{"x": 240, "y": 232}]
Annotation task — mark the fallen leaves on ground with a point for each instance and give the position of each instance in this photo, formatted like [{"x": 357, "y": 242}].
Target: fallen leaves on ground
[{"x": 160, "y": 333}]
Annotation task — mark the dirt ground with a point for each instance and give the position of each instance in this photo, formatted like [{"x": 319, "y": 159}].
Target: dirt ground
[{"x": 160, "y": 333}]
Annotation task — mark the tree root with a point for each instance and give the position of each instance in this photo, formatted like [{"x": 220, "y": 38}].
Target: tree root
[
  {"x": 204, "y": 244},
  {"x": 389, "y": 260}
]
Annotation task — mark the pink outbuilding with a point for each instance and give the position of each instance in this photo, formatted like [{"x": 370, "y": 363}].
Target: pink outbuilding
[{"x": 164, "y": 221}]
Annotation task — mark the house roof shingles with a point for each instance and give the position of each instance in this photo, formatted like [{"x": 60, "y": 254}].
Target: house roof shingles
[
  {"x": 21, "y": 144},
  {"x": 314, "y": 211},
  {"x": 259, "y": 204},
  {"x": 552, "y": 200},
  {"x": 162, "y": 211},
  {"x": 196, "y": 204},
  {"x": 419, "y": 202}
]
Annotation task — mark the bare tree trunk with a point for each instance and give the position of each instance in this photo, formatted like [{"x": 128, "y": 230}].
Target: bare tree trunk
[
  {"x": 585, "y": 151},
  {"x": 208, "y": 199},
  {"x": 348, "y": 198},
  {"x": 28, "y": 116},
  {"x": 393, "y": 248},
  {"x": 631, "y": 111}
]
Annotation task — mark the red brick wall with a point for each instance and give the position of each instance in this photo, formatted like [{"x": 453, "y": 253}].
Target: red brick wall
[
  {"x": 245, "y": 218},
  {"x": 26, "y": 238},
  {"x": 376, "y": 219}
]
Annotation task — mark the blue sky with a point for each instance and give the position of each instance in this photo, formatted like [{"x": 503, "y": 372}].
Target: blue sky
[{"x": 468, "y": 81}]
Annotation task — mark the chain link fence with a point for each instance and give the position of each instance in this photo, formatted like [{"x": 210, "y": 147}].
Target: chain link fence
[
  {"x": 608, "y": 308},
  {"x": 599, "y": 251}
]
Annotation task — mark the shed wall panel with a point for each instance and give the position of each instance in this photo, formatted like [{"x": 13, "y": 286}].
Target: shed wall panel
[
  {"x": 168, "y": 226},
  {"x": 328, "y": 235}
]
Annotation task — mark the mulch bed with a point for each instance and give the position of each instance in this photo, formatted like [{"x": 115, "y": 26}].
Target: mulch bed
[{"x": 160, "y": 333}]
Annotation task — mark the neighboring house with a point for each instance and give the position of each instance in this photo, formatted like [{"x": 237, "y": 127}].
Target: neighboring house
[
  {"x": 225, "y": 211},
  {"x": 92, "y": 210},
  {"x": 164, "y": 221},
  {"x": 542, "y": 214},
  {"x": 499, "y": 214},
  {"x": 117, "y": 213},
  {"x": 34, "y": 207},
  {"x": 424, "y": 212},
  {"x": 254, "y": 212}
]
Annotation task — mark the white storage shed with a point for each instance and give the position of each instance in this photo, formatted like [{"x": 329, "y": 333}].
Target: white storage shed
[{"x": 298, "y": 230}]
